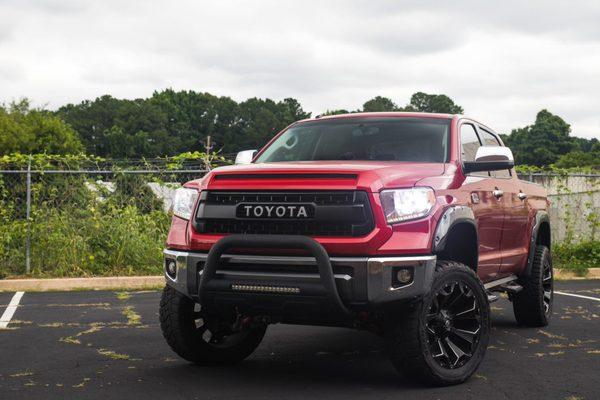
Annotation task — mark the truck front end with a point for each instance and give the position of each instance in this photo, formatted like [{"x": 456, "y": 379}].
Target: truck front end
[{"x": 327, "y": 226}]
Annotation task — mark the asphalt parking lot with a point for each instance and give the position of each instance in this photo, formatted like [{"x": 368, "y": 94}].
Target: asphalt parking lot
[{"x": 99, "y": 345}]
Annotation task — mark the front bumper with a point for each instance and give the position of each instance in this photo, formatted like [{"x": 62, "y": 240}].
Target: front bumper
[{"x": 274, "y": 284}]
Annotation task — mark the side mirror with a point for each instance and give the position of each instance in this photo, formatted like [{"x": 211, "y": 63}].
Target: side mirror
[
  {"x": 490, "y": 158},
  {"x": 245, "y": 157}
]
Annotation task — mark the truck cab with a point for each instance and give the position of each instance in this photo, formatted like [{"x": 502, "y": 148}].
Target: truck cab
[{"x": 404, "y": 224}]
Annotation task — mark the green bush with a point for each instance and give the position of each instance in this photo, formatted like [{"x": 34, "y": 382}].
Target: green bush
[
  {"x": 577, "y": 257},
  {"x": 77, "y": 226},
  {"x": 86, "y": 242}
]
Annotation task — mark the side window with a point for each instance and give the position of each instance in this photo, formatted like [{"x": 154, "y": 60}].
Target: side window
[
  {"x": 490, "y": 140},
  {"x": 469, "y": 143}
]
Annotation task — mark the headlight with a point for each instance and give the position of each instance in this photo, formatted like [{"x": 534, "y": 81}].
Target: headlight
[
  {"x": 405, "y": 204},
  {"x": 183, "y": 202}
]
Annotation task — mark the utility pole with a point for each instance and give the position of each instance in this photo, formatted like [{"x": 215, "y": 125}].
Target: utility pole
[{"x": 207, "y": 153}]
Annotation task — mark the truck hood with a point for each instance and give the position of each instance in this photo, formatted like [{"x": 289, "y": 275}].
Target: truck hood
[{"x": 322, "y": 175}]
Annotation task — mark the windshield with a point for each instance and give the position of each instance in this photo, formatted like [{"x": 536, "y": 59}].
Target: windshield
[{"x": 366, "y": 139}]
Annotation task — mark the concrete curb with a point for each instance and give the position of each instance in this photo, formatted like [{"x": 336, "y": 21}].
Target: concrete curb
[
  {"x": 154, "y": 282},
  {"x": 100, "y": 283},
  {"x": 561, "y": 274}
]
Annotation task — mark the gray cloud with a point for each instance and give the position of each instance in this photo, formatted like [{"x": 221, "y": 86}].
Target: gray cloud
[{"x": 502, "y": 61}]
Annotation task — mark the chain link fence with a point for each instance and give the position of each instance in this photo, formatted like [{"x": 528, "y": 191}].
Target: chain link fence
[
  {"x": 574, "y": 205},
  {"x": 63, "y": 218},
  {"x": 87, "y": 218}
]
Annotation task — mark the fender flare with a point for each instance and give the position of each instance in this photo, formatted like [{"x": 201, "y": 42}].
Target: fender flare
[
  {"x": 540, "y": 217},
  {"x": 453, "y": 216}
]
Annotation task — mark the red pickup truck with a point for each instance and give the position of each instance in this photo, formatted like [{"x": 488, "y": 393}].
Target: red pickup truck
[{"x": 403, "y": 224}]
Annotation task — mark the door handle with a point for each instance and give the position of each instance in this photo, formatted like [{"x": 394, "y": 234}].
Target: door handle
[
  {"x": 498, "y": 193},
  {"x": 522, "y": 196}
]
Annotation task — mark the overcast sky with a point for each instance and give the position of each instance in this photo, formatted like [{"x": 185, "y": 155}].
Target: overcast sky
[{"x": 501, "y": 62}]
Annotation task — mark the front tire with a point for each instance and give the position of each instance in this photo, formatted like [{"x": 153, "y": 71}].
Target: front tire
[
  {"x": 533, "y": 305},
  {"x": 203, "y": 339},
  {"x": 442, "y": 339}
]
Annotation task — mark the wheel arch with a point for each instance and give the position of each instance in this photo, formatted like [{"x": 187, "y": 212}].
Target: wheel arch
[
  {"x": 541, "y": 234},
  {"x": 456, "y": 237}
]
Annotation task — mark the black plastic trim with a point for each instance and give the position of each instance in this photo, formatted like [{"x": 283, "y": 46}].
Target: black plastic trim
[
  {"x": 540, "y": 217},
  {"x": 452, "y": 216},
  {"x": 480, "y": 166}
]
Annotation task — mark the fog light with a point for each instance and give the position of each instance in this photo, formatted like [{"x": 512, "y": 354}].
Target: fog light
[
  {"x": 402, "y": 276},
  {"x": 171, "y": 268}
]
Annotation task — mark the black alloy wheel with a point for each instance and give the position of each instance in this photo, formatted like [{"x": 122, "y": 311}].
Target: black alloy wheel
[
  {"x": 547, "y": 286},
  {"x": 453, "y": 325},
  {"x": 442, "y": 338}
]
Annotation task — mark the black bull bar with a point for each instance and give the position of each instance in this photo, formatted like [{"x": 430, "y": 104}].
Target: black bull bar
[{"x": 275, "y": 242}]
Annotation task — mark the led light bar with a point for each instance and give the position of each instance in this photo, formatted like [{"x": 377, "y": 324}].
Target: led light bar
[{"x": 265, "y": 289}]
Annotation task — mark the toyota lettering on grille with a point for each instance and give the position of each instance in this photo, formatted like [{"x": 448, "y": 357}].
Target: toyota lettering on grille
[{"x": 275, "y": 211}]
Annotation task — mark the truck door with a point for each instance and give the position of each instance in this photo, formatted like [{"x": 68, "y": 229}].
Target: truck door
[
  {"x": 513, "y": 244},
  {"x": 486, "y": 205}
]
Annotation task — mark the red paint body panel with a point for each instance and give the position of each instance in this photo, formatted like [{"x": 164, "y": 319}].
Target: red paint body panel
[{"x": 504, "y": 226}]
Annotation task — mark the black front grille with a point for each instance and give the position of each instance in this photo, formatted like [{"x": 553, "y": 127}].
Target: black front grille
[
  {"x": 337, "y": 213},
  {"x": 307, "y": 228},
  {"x": 319, "y": 198}
]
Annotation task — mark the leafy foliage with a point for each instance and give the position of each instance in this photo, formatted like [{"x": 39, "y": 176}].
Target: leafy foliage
[
  {"x": 577, "y": 256},
  {"x": 171, "y": 122},
  {"x": 79, "y": 224},
  {"x": 174, "y": 122},
  {"x": 27, "y": 130},
  {"x": 379, "y": 104},
  {"x": 543, "y": 142},
  {"x": 579, "y": 159},
  {"x": 433, "y": 103}
]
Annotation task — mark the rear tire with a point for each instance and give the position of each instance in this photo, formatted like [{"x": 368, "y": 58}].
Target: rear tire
[
  {"x": 201, "y": 339},
  {"x": 533, "y": 305},
  {"x": 442, "y": 339}
]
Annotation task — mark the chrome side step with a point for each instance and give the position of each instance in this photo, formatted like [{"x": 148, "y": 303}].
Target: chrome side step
[
  {"x": 507, "y": 285},
  {"x": 500, "y": 282}
]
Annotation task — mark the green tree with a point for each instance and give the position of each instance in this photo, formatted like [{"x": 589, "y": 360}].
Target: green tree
[
  {"x": 579, "y": 159},
  {"x": 173, "y": 122},
  {"x": 379, "y": 103},
  {"x": 433, "y": 103},
  {"x": 543, "y": 142},
  {"x": 32, "y": 130}
]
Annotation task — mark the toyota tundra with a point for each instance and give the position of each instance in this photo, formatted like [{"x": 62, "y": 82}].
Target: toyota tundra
[{"x": 404, "y": 224}]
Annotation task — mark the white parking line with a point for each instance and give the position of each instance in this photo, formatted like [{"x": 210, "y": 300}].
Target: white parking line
[
  {"x": 10, "y": 310},
  {"x": 577, "y": 295}
]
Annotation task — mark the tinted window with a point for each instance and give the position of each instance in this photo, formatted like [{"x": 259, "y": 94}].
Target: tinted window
[
  {"x": 490, "y": 140},
  {"x": 376, "y": 139}
]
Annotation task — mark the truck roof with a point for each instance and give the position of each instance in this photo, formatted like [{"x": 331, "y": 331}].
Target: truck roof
[{"x": 396, "y": 114}]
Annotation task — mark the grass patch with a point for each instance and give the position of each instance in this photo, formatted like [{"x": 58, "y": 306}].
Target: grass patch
[
  {"x": 133, "y": 318},
  {"x": 86, "y": 242},
  {"x": 113, "y": 355},
  {"x": 123, "y": 296},
  {"x": 577, "y": 257},
  {"x": 21, "y": 374},
  {"x": 70, "y": 340}
]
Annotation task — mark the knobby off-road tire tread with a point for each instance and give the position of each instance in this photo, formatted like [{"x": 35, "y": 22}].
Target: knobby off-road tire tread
[
  {"x": 179, "y": 331},
  {"x": 171, "y": 324},
  {"x": 528, "y": 304},
  {"x": 407, "y": 350}
]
